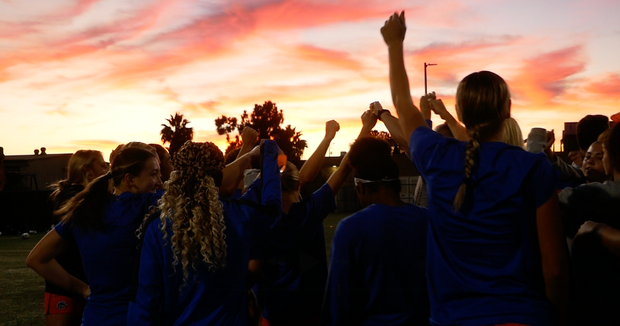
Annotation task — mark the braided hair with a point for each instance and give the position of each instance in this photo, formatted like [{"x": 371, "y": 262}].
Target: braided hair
[
  {"x": 192, "y": 207},
  {"x": 482, "y": 104}
]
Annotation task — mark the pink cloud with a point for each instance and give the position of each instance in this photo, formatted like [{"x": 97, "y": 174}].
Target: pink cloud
[
  {"x": 453, "y": 58},
  {"x": 608, "y": 86},
  {"x": 545, "y": 77}
]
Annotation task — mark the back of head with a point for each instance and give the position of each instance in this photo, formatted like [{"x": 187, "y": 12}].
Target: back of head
[
  {"x": 371, "y": 160},
  {"x": 511, "y": 133},
  {"x": 133, "y": 144},
  {"x": 193, "y": 208},
  {"x": 589, "y": 128},
  {"x": 444, "y": 130},
  {"x": 290, "y": 178},
  {"x": 88, "y": 207},
  {"x": 482, "y": 104},
  {"x": 78, "y": 170},
  {"x": 612, "y": 148}
]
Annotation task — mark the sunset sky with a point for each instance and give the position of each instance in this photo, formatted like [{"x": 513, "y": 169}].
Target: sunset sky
[{"x": 89, "y": 74}]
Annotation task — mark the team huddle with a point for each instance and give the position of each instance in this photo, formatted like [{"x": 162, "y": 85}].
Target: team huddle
[{"x": 200, "y": 239}]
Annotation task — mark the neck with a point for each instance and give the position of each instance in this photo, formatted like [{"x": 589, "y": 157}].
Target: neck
[
  {"x": 387, "y": 198},
  {"x": 288, "y": 199}
]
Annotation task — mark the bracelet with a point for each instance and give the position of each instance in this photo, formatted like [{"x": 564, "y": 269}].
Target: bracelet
[{"x": 381, "y": 112}]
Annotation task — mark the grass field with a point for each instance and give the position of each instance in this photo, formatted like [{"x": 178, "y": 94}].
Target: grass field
[
  {"x": 21, "y": 302},
  {"x": 21, "y": 289}
]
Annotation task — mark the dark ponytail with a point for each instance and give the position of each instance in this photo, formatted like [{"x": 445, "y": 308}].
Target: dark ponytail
[{"x": 86, "y": 209}]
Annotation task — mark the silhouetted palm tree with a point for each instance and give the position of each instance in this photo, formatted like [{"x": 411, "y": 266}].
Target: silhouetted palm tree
[{"x": 176, "y": 133}]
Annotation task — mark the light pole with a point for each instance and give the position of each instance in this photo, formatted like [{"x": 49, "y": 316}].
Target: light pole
[{"x": 426, "y": 65}]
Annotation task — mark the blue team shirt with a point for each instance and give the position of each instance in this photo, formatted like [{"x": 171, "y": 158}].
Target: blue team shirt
[
  {"x": 208, "y": 297},
  {"x": 376, "y": 275},
  {"x": 484, "y": 261},
  {"x": 294, "y": 269},
  {"x": 108, "y": 256}
]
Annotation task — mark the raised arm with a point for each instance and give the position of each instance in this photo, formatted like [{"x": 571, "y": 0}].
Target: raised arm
[
  {"x": 42, "y": 260},
  {"x": 249, "y": 137},
  {"x": 409, "y": 116},
  {"x": 233, "y": 173},
  {"x": 313, "y": 165},
  {"x": 458, "y": 130},
  {"x": 392, "y": 125},
  {"x": 554, "y": 256},
  {"x": 337, "y": 179}
]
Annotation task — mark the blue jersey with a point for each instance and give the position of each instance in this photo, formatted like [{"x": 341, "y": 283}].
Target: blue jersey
[
  {"x": 294, "y": 269},
  {"x": 108, "y": 256},
  {"x": 209, "y": 297},
  {"x": 377, "y": 270},
  {"x": 484, "y": 261}
]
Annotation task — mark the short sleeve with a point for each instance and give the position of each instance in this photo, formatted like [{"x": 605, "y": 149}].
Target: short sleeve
[
  {"x": 424, "y": 147},
  {"x": 64, "y": 230},
  {"x": 322, "y": 202},
  {"x": 543, "y": 181}
]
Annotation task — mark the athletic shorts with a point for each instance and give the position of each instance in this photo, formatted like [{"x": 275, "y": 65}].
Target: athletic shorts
[{"x": 59, "y": 304}]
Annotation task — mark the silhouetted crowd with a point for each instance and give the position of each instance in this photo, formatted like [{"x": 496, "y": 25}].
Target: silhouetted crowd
[{"x": 508, "y": 233}]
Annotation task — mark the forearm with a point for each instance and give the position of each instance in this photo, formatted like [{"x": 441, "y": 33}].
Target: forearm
[
  {"x": 52, "y": 272},
  {"x": 232, "y": 175},
  {"x": 313, "y": 165},
  {"x": 409, "y": 116},
  {"x": 245, "y": 148},
  {"x": 458, "y": 130},
  {"x": 610, "y": 238},
  {"x": 337, "y": 179},
  {"x": 393, "y": 126}
]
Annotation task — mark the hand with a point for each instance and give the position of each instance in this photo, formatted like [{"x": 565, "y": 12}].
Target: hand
[
  {"x": 425, "y": 107},
  {"x": 439, "y": 108},
  {"x": 331, "y": 128},
  {"x": 86, "y": 292},
  {"x": 394, "y": 29},
  {"x": 375, "y": 107},
  {"x": 587, "y": 233},
  {"x": 249, "y": 136},
  {"x": 369, "y": 120},
  {"x": 576, "y": 157}
]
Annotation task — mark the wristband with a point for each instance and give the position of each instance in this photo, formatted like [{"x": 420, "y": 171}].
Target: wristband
[{"x": 381, "y": 112}]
